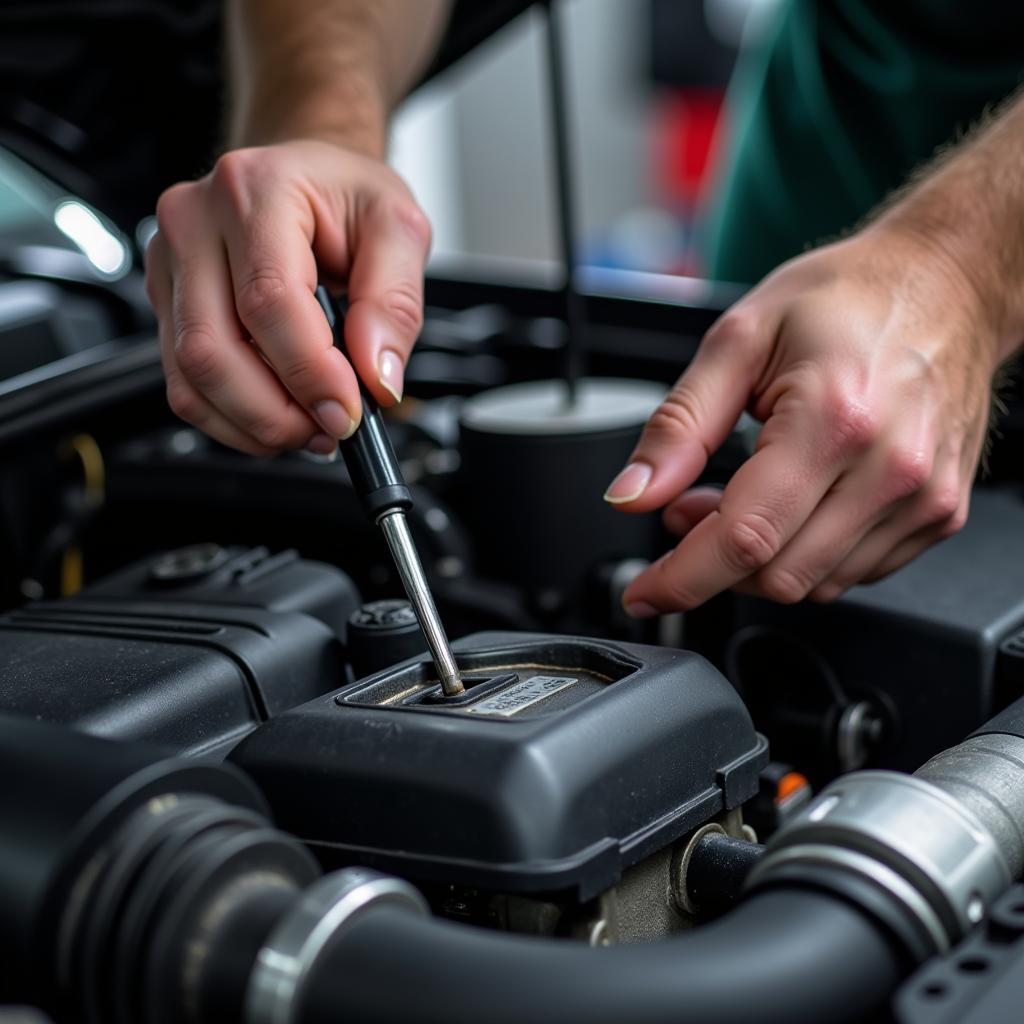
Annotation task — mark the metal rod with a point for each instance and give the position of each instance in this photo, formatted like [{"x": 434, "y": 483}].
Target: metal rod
[
  {"x": 403, "y": 551},
  {"x": 558, "y": 94}
]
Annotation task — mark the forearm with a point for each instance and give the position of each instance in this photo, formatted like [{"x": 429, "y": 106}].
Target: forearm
[
  {"x": 325, "y": 69},
  {"x": 968, "y": 208}
]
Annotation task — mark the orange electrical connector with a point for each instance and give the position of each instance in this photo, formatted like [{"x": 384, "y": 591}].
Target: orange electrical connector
[{"x": 790, "y": 784}]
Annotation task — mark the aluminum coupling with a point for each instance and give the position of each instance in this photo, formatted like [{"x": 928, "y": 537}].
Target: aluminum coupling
[
  {"x": 902, "y": 838},
  {"x": 295, "y": 946}
]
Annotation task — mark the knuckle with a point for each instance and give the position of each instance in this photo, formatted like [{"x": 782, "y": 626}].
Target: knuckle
[
  {"x": 405, "y": 307},
  {"x": 261, "y": 297},
  {"x": 853, "y": 426},
  {"x": 184, "y": 403},
  {"x": 197, "y": 353},
  {"x": 942, "y": 504},
  {"x": 751, "y": 542},
  {"x": 170, "y": 208},
  {"x": 233, "y": 171},
  {"x": 399, "y": 207},
  {"x": 738, "y": 328},
  {"x": 681, "y": 598},
  {"x": 907, "y": 470},
  {"x": 784, "y": 585},
  {"x": 269, "y": 433},
  {"x": 677, "y": 595},
  {"x": 677, "y": 415},
  {"x": 415, "y": 222},
  {"x": 301, "y": 374},
  {"x": 171, "y": 200}
]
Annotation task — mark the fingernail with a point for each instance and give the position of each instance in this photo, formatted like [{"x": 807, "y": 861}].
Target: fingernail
[
  {"x": 640, "y": 610},
  {"x": 629, "y": 484},
  {"x": 389, "y": 372},
  {"x": 321, "y": 444},
  {"x": 334, "y": 419}
]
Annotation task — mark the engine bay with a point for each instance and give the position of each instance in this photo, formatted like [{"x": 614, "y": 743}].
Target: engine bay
[{"x": 234, "y": 789}]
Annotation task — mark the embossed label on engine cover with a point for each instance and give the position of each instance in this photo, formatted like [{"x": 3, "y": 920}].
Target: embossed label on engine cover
[{"x": 521, "y": 695}]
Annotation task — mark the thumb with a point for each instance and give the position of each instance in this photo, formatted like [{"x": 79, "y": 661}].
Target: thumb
[
  {"x": 385, "y": 290},
  {"x": 697, "y": 414}
]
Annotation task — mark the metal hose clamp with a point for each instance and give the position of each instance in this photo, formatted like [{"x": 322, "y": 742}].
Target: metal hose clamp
[
  {"x": 285, "y": 961},
  {"x": 940, "y": 862}
]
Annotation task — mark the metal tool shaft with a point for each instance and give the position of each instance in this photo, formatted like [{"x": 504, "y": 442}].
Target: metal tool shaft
[
  {"x": 377, "y": 479},
  {"x": 403, "y": 551}
]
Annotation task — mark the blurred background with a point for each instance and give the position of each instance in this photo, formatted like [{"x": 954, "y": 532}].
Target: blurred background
[{"x": 647, "y": 80}]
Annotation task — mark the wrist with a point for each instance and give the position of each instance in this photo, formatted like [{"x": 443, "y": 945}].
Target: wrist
[
  {"x": 965, "y": 213},
  {"x": 349, "y": 112},
  {"x": 953, "y": 268},
  {"x": 345, "y": 107}
]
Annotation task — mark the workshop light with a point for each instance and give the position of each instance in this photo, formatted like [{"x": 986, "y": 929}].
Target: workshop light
[{"x": 104, "y": 250}]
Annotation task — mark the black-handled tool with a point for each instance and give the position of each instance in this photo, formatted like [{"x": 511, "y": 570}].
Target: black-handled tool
[{"x": 377, "y": 479}]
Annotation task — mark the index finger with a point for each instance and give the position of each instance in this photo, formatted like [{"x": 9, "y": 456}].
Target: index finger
[
  {"x": 767, "y": 501},
  {"x": 274, "y": 277}
]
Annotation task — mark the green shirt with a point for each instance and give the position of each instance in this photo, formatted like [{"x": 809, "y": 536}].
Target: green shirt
[{"x": 838, "y": 105}]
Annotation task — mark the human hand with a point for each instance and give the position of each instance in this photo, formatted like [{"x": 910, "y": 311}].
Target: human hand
[
  {"x": 247, "y": 352},
  {"x": 870, "y": 364}
]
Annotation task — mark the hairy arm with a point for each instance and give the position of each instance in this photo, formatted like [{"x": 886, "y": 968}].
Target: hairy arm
[
  {"x": 968, "y": 207},
  {"x": 870, "y": 363},
  {"x": 325, "y": 69}
]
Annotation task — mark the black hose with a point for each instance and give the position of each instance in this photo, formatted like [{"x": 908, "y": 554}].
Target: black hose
[
  {"x": 63, "y": 794},
  {"x": 782, "y": 957},
  {"x": 1009, "y": 721},
  {"x": 718, "y": 867}
]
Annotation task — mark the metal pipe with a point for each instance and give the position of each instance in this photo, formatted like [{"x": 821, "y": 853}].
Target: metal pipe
[{"x": 985, "y": 774}]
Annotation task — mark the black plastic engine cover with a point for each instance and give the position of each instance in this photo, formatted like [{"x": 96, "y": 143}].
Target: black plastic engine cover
[
  {"x": 932, "y": 646},
  {"x": 191, "y": 649},
  {"x": 568, "y": 760},
  {"x": 238, "y": 576}
]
